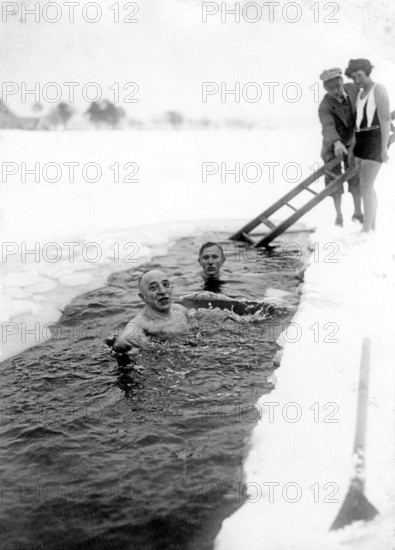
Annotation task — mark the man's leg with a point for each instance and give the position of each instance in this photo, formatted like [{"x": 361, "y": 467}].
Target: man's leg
[
  {"x": 355, "y": 191},
  {"x": 337, "y": 201},
  {"x": 337, "y": 195},
  {"x": 356, "y": 196}
]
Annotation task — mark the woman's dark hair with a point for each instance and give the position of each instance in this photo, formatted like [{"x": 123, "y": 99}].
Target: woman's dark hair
[{"x": 355, "y": 65}]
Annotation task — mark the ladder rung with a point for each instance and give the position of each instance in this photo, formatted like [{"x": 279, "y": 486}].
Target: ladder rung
[
  {"x": 331, "y": 174},
  {"x": 311, "y": 190},
  {"x": 268, "y": 223},
  {"x": 290, "y": 205},
  {"x": 248, "y": 238}
]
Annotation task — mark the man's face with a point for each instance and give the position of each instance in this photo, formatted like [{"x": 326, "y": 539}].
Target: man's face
[
  {"x": 359, "y": 78},
  {"x": 211, "y": 260},
  {"x": 156, "y": 291},
  {"x": 335, "y": 87}
]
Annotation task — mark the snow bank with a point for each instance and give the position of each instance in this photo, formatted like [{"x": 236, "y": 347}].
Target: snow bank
[{"x": 306, "y": 446}]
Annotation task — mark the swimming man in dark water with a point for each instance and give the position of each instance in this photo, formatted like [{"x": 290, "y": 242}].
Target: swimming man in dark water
[
  {"x": 211, "y": 258},
  {"x": 160, "y": 316}
]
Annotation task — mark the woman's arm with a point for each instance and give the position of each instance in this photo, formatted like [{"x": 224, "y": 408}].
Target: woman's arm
[
  {"x": 383, "y": 111},
  {"x": 392, "y": 136}
]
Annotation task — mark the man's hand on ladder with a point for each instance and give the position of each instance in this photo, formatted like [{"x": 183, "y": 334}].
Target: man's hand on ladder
[{"x": 340, "y": 150}]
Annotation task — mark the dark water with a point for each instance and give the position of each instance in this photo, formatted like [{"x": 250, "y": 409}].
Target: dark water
[{"x": 100, "y": 455}]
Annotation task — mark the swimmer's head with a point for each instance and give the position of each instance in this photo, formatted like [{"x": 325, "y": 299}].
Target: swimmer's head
[
  {"x": 211, "y": 258},
  {"x": 156, "y": 290}
]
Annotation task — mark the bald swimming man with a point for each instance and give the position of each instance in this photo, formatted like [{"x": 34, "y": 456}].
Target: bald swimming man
[{"x": 160, "y": 316}]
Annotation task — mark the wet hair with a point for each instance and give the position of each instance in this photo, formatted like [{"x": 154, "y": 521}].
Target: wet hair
[
  {"x": 355, "y": 65},
  {"x": 208, "y": 245}
]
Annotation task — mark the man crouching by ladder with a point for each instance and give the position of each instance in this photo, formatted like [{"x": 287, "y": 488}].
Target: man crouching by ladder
[{"x": 337, "y": 116}]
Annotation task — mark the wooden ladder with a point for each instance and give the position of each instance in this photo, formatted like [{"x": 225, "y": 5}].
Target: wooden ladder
[{"x": 276, "y": 230}]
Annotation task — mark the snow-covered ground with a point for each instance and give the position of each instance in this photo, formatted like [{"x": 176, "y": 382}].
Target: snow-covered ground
[{"x": 305, "y": 448}]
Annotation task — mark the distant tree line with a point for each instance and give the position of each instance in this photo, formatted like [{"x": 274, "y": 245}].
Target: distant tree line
[{"x": 105, "y": 114}]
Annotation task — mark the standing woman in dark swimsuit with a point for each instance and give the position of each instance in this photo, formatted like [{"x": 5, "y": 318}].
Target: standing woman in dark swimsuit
[{"x": 371, "y": 135}]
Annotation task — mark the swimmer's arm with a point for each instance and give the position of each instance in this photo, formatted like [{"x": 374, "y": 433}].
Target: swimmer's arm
[
  {"x": 191, "y": 313},
  {"x": 135, "y": 335},
  {"x": 179, "y": 307},
  {"x": 188, "y": 312}
]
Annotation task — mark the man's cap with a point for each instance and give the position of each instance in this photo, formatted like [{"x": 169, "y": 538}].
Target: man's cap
[{"x": 330, "y": 73}]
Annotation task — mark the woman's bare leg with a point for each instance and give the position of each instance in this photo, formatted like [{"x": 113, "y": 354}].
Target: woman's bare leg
[{"x": 368, "y": 170}]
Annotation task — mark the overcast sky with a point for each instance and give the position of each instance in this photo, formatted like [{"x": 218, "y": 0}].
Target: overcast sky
[{"x": 170, "y": 52}]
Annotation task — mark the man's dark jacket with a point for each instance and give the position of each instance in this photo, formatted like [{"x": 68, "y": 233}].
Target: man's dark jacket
[{"x": 334, "y": 125}]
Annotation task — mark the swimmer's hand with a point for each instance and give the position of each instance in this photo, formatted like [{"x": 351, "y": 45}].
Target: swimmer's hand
[
  {"x": 110, "y": 342},
  {"x": 121, "y": 347}
]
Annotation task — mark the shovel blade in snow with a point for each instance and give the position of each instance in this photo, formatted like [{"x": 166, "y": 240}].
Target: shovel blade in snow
[{"x": 356, "y": 507}]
